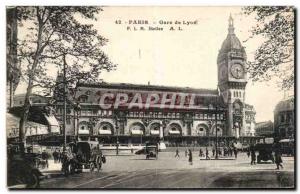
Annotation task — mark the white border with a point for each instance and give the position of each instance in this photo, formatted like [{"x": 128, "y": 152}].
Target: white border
[{"x": 5, "y": 3}]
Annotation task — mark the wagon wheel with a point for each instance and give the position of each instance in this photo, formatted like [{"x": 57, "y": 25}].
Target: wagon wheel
[
  {"x": 92, "y": 166},
  {"x": 33, "y": 180},
  {"x": 99, "y": 163},
  {"x": 66, "y": 169}
]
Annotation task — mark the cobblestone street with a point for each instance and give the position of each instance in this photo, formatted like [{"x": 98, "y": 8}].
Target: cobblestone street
[{"x": 170, "y": 172}]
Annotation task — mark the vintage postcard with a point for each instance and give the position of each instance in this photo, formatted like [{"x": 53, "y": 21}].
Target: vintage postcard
[{"x": 120, "y": 97}]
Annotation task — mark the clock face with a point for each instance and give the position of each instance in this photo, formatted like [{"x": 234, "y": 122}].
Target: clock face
[{"x": 237, "y": 71}]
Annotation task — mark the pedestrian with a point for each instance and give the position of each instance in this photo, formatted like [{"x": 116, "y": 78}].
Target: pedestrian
[
  {"x": 253, "y": 155},
  {"x": 207, "y": 154},
  {"x": 213, "y": 151},
  {"x": 177, "y": 153},
  {"x": 278, "y": 159},
  {"x": 45, "y": 157},
  {"x": 235, "y": 152},
  {"x": 230, "y": 151},
  {"x": 186, "y": 152},
  {"x": 59, "y": 156},
  {"x": 200, "y": 153},
  {"x": 248, "y": 152},
  {"x": 54, "y": 154},
  {"x": 190, "y": 157}
]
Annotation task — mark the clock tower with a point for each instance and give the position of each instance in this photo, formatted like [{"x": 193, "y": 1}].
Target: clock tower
[{"x": 232, "y": 80}]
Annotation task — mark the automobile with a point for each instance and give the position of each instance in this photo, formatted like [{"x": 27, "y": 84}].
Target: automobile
[
  {"x": 81, "y": 155},
  {"x": 21, "y": 169},
  {"x": 287, "y": 147},
  {"x": 265, "y": 151},
  {"x": 150, "y": 150}
]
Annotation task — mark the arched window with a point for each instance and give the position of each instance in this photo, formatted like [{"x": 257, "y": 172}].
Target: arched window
[
  {"x": 237, "y": 107},
  {"x": 83, "y": 98}
]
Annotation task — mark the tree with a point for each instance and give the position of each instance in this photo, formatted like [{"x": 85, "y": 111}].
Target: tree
[
  {"x": 275, "y": 56},
  {"x": 53, "y": 37}
]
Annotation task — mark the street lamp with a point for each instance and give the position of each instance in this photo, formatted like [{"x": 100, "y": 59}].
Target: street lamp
[
  {"x": 117, "y": 130},
  {"x": 216, "y": 120},
  {"x": 216, "y": 125},
  {"x": 77, "y": 109}
]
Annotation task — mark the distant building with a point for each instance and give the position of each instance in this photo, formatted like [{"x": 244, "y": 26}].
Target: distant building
[
  {"x": 264, "y": 129},
  {"x": 249, "y": 120},
  {"x": 34, "y": 99},
  {"x": 284, "y": 119}
]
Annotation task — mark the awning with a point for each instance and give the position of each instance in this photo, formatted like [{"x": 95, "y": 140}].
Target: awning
[
  {"x": 105, "y": 132},
  {"x": 32, "y": 128},
  {"x": 154, "y": 132},
  {"x": 174, "y": 132},
  {"x": 136, "y": 132},
  {"x": 286, "y": 140},
  {"x": 83, "y": 132},
  {"x": 52, "y": 121}
]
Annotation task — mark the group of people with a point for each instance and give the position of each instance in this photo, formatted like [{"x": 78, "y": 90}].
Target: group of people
[
  {"x": 57, "y": 156},
  {"x": 188, "y": 153},
  {"x": 226, "y": 152}
]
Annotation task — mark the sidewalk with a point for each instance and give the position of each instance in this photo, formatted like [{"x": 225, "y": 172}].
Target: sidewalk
[{"x": 53, "y": 170}]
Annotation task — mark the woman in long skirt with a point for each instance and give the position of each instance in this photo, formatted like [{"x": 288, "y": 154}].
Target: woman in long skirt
[{"x": 190, "y": 157}]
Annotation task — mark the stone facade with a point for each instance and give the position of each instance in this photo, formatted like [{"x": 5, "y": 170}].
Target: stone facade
[{"x": 284, "y": 119}]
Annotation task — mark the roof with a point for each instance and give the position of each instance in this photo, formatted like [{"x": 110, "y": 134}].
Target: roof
[
  {"x": 212, "y": 92},
  {"x": 231, "y": 43},
  {"x": 13, "y": 121},
  {"x": 263, "y": 124},
  {"x": 36, "y": 114},
  {"x": 22, "y": 95},
  {"x": 285, "y": 105}
]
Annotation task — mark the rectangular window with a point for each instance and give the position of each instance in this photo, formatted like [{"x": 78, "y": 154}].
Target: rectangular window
[
  {"x": 213, "y": 116},
  {"x": 68, "y": 121},
  {"x": 95, "y": 112},
  {"x": 160, "y": 114},
  {"x": 282, "y": 118}
]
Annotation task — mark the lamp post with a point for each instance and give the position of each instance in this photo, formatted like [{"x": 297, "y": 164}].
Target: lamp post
[
  {"x": 64, "y": 101},
  {"x": 215, "y": 109},
  {"x": 117, "y": 130},
  {"x": 216, "y": 120},
  {"x": 77, "y": 109}
]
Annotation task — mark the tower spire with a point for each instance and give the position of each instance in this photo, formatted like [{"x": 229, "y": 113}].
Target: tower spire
[{"x": 230, "y": 26}]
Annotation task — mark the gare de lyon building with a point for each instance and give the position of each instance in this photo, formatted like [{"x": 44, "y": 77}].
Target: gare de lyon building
[{"x": 215, "y": 113}]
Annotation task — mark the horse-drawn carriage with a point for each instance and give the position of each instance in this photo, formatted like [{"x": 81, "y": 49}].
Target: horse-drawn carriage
[{"x": 82, "y": 155}]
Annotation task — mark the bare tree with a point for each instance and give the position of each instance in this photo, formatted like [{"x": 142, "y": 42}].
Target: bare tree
[
  {"x": 275, "y": 56},
  {"x": 55, "y": 35}
]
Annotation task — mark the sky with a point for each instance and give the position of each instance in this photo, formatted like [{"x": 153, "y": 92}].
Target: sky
[{"x": 185, "y": 58}]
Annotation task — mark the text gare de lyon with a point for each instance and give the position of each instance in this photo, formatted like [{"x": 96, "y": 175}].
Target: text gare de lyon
[
  {"x": 144, "y": 101},
  {"x": 163, "y": 22}
]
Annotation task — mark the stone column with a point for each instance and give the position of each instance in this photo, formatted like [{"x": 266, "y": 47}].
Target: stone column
[
  {"x": 161, "y": 132},
  {"x": 230, "y": 130}
]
